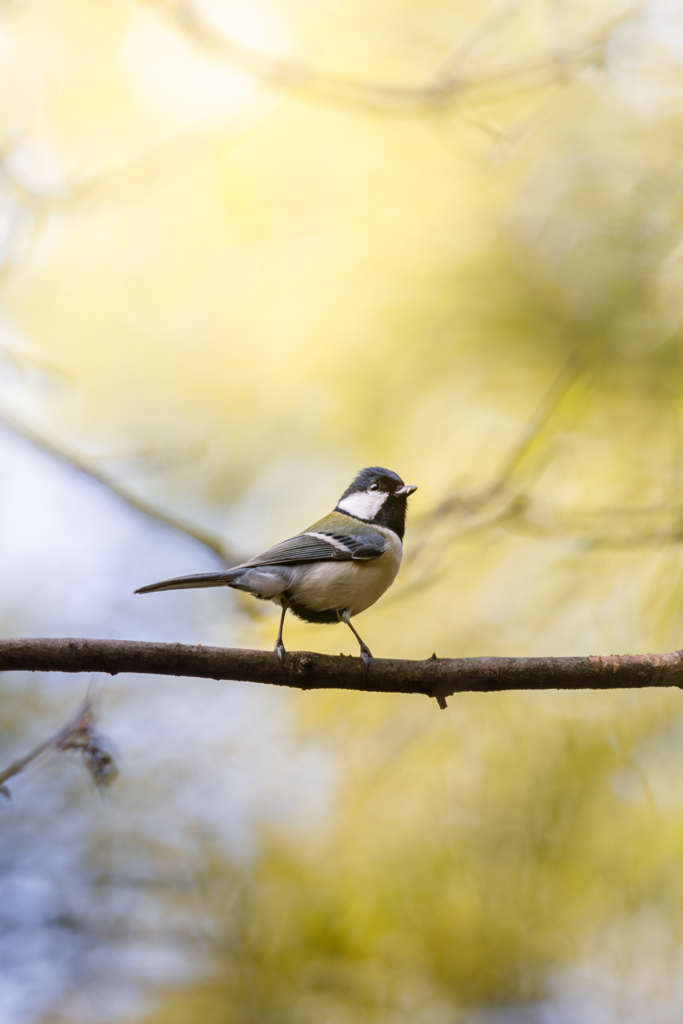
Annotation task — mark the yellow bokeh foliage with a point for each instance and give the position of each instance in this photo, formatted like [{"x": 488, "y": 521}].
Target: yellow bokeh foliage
[{"x": 279, "y": 276}]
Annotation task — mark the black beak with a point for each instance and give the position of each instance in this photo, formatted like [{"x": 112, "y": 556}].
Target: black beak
[{"x": 404, "y": 491}]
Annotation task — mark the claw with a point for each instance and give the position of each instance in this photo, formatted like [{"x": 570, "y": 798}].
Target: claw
[
  {"x": 365, "y": 655},
  {"x": 280, "y": 651}
]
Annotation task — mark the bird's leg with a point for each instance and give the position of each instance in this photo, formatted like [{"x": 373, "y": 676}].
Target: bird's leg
[
  {"x": 365, "y": 651},
  {"x": 279, "y": 646}
]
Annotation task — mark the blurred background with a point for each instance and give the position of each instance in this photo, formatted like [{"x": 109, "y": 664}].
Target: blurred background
[{"x": 248, "y": 247}]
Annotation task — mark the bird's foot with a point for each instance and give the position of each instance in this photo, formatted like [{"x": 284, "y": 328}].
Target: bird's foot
[
  {"x": 280, "y": 651},
  {"x": 365, "y": 654}
]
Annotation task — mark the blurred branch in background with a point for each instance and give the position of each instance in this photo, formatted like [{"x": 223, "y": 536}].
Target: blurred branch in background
[
  {"x": 117, "y": 181},
  {"x": 499, "y": 500},
  {"x": 502, "y": 486},
  {"x": 449, "y": 85},
  {"x": 78, "y": 735},
  {"x": 507, "y": 501},
  {"x": 211, "y": 541}
]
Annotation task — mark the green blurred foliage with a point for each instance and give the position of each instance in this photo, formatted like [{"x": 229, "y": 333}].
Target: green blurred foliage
[
  {"x": 464, "y": 863},
  {"x": 257, "y": 289}
]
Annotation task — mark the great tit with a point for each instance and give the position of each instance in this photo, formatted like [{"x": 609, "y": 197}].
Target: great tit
[{"x": 333, "y": 570}]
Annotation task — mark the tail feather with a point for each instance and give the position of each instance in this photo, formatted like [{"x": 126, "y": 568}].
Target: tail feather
[{"x": 202, "y": 579}]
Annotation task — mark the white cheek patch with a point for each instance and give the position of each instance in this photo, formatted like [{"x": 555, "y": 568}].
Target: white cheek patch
[{"x": 363, "y": 504}]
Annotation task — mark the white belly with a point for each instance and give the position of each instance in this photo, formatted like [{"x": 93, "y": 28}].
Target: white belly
[{"x": 347, "y": 585}]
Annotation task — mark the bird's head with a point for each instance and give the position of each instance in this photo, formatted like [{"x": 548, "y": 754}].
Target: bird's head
[{"x": 377, "y": 496}]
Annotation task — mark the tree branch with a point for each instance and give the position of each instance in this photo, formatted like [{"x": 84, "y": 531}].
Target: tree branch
[{"x": 435, "y": 677}]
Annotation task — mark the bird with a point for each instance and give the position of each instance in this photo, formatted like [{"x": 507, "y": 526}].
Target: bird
[{"x": 331, "y": 571}]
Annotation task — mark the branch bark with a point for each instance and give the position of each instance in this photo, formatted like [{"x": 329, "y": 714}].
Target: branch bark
[{"x": 435, "y": 677}]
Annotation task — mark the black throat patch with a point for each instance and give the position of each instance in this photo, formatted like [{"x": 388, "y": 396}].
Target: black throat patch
[{"x": 392, "y": 515}]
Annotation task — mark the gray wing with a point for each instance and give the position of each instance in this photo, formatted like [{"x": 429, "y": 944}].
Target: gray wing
[
  {"x": 322, "y": 547},
  {"x": 306, "y": 547}
]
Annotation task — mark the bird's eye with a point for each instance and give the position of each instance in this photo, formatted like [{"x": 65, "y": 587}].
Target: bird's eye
[{"x": 373, "y": 487}]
